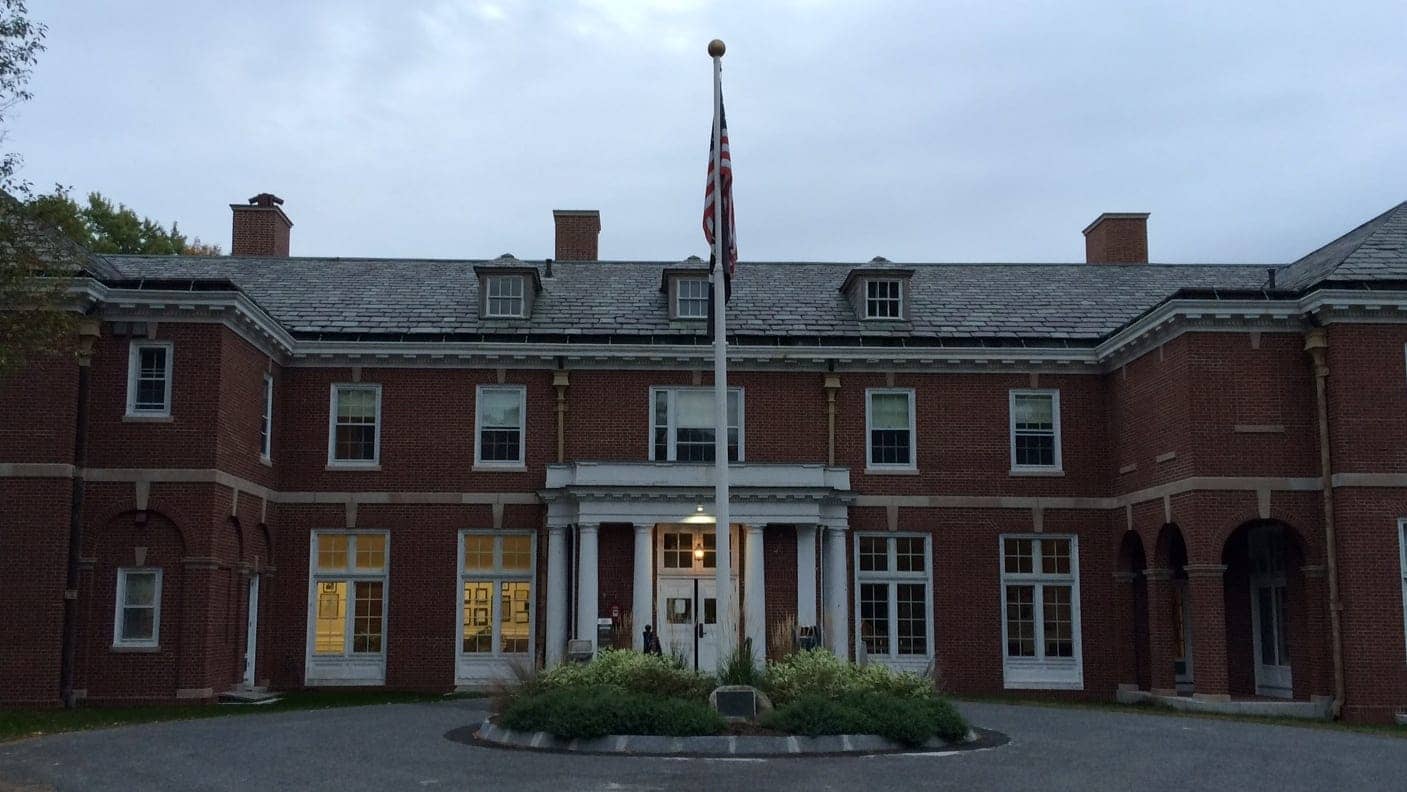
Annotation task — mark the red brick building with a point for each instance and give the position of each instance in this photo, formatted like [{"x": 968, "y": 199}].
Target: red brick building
[{"x": 1093, "y": 479}]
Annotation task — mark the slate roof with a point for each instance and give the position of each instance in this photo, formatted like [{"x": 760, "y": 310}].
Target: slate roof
[
  {"x": 1053, "y": 303},
  {"x": 1374, "y": 251},
  {"x": 773, "y": 302}
]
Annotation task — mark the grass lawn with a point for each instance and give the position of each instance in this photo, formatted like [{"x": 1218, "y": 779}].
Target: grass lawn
[
  {"x": 1159, "y": 710},
  {"x": 19, "y": 723}
]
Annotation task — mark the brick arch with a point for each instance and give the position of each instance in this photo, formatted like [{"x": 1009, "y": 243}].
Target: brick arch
[
  {"x": 1170, "y": 547},
  {"x": 135, "y": 525},
  {"x": 1133, "y": 556},
  {"x": 1307, "y": 550}
]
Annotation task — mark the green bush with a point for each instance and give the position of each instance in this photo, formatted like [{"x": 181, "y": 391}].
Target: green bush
[
  {"x": 741, "y": 667},
  {"x": 598, "y": 711},
  {"x": 909, "y": 720},
  {"x": 629, "y": 670},
  {"x": 818, "y": 671}
]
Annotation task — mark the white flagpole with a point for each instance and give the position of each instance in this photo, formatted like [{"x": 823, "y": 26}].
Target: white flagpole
[{"x": 727, "y": 626}]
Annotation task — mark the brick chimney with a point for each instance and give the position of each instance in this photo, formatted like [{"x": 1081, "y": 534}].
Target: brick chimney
[
  {"x": 578, "y": 231},
  {"x": 260, "y": 228},
  {"x": 1117, "y": 238}
]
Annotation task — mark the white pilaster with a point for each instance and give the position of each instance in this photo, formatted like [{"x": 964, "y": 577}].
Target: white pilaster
[
  {"x": 556, "y": 594},
  {"x": 642, "y": 608},
  {"x": 586, "y": 586},
  {"x": 806, "y": 575},
  {"x": 755, "y": 587},
  {"x": 837, "y": 586}
]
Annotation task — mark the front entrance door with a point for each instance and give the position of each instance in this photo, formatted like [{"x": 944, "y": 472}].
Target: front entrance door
[
  {"x": 1268, "y": 612},
  {"x": 688, "y": 619},
  {"x": 251, "y": 639}
]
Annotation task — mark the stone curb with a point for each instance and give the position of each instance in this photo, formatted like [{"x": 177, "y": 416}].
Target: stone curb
[{"x": 711, "y": 745}]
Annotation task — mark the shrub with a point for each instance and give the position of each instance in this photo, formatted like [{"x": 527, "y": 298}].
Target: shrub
[
  {"x": 909, "y": 720},
  {"x": 820, "y": 672},
  {"x": 587, "y": 712},
  {"x": 741, "y": 667},
  {"x": 629, "y": 670}
]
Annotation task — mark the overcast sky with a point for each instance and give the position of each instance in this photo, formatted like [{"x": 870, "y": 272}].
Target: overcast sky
[{"x": 920, "y": 131}]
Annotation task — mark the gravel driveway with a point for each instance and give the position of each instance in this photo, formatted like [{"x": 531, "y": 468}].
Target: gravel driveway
[{"x": 402, "y": 746}]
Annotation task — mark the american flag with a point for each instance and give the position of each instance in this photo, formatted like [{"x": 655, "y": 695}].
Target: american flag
[{"x": 730, "y": 245}]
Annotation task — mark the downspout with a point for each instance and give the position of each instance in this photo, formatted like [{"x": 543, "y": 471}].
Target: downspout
[
  {"x": 831, "y": 384},
  {"x": 88, "y": 331},
  {"x": 1316, "y": 343},
  {"x": 559, "y": 381}
]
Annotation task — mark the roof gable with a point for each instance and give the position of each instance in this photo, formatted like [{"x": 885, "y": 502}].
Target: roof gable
[{"x": 1376, "y": 250}]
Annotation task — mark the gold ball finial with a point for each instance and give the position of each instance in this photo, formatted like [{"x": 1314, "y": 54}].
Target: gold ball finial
[{"x": 716, "y": 48}]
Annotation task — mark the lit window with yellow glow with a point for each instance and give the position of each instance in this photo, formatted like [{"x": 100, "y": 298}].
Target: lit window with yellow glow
[
  {"x": 348, "y": 601},
  {"x": 496, "y": 581}
]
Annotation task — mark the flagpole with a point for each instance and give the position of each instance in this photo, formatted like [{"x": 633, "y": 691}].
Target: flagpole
[{"x": 727, "y": 626}]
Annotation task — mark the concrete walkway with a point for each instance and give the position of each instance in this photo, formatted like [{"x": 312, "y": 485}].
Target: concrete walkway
[{"x": 402, "y": 746}]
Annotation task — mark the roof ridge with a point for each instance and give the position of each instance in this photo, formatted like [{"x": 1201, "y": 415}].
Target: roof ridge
[{"x": 1380, "y": 219}]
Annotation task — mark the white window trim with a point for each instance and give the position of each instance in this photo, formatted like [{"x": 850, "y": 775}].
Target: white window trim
[
  {"x": 1039, "y": 673},
  {"x": 496, "y": 576},
  {"x": 1054, "y": 394},
  {"x": 499, "y": 464},
  {"x": 521, "y": 297},
  {"x": 696, "y": 567},
  {"x": 873, "y": 467},
  {"x": 1402, "y": 552},
  {"x": 865, "y": 298},
  {"x": 679, "y": 299},
  {"x": 348, "y": 668},
  {"x": 133, "y": 367},
  {"x": 267, "y": 420},
  {"x": 671, "y": 414},
  {"x": 118, "y": 641},
  {"x": 892, "y": 577},
  {"x": 332, "y": 460}
]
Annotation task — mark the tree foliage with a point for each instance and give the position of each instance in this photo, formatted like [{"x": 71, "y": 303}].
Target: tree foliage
[{"x": 102, "y": 227}]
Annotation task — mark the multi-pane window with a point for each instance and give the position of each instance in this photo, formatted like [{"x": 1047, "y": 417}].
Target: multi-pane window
[
  {"x": 691, "y": 298},
  {"x": 499, "y": 419},
  {"x": 496, "y": 581},
  {"x": 889, "y": 419},
  {"x": 137, "y": 622},
  {"x": 678, "y": 546},
  {"x": 892, "y": 580},
  {"x": 884, "y": 299},
  {"x": 348, "y": 594},
  {"x": 1035, "y": 430},
  {"x": 1041, "y": 611},
  {"x": 682, "y": 424},
  {"x": 1402, "y": 550},
  {"x": 355, "y": 432},
  {"x": 149, "y": 379},
  {"x": 505, "y": 295},
  {"x": 266, "y": 419}
]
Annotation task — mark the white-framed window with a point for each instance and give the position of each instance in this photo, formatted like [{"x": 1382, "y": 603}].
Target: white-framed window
[
  {"x": 1402, "y": 550},
  {"x": 894, "y": 598},
  {"x": 137, "y": 621},
  {"x": 682, "y": 424},
  {"x": 497, "y": 572},
  {"x": 347, "y": 595},
  {"x": 884, "y": 299},
  {"x": 149, "y": 379},
  {"x": 499, "y": 425},
  {"x": 889, "y": 428},
  {"x": 684, "y": 549},
  {"x": 691, "y": 298},
  {"x": 354, "y": 426},
  {"x": 266, "y": 420},
  {"x": 1035, "y": 430},
  {"x": 505, "y": 296},
  {"x": 1040, "y": 595}
]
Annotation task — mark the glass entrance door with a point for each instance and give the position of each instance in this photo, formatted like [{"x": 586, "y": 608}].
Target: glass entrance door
[{"x": 1268, "y": 612}]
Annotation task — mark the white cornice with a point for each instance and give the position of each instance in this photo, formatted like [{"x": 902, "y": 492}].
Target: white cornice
[{"x": 235, "y": 310}]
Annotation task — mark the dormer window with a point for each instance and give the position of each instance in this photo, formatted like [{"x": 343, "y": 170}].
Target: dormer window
[
  {"x": 691, "y": 298},
  {"x": 884, "y": 299},
  {"x": 505, "y": 296}
]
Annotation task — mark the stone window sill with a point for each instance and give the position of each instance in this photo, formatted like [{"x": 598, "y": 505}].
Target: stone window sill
[
  {"x": 489, "y": 467},
  {"x": 1038, "y": 472},
  {"x": 881, "y": 471},
  {"x": 138, "y": 418},
  {"x": 124, "y": 649},
  {"x": 351, "y": 468}
]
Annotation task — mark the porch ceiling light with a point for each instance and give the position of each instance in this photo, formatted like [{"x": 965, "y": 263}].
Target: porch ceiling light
[{"x": 698, "y": 552}]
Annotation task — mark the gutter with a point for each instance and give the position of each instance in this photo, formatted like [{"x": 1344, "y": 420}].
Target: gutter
[{"x": 1316, "y": 343}]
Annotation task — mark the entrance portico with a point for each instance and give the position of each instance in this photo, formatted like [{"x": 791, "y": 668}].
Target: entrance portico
[{"x": 668, "y": 508}]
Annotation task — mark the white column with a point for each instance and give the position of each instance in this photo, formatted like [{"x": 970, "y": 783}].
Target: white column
[
  {"x": 642, "y": 608},
  {"x": 837, "y": 585},
  {"x": 755, "y": 586},
  {"x": 556, "y": 594},
  {"x": 586, "y": 584},
  {"x": 806, "y": 575}
]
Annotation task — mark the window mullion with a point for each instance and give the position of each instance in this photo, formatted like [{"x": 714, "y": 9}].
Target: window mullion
[
  {"x": 1038, "y": 619},
  {"x": 893, "y": 618}
]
